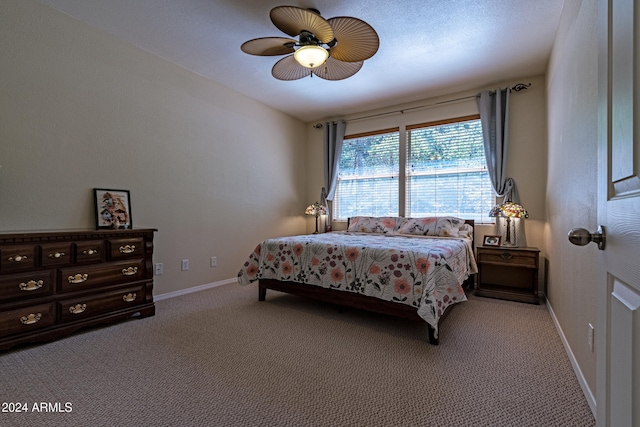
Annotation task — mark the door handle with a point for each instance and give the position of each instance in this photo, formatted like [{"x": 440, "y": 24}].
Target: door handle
[{"x": 581, "y": 237}]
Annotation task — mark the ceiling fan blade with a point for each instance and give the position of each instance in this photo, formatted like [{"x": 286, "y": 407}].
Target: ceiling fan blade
[
  {"x": 333, "y": 69},
  {"x": 289, "y": 69},
  {"x": 357, "y": 40},
  {"x": 293, "y": 20},
  {"x": 268, "y": 46}
]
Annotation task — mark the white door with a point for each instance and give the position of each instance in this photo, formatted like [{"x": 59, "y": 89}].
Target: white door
[{"x": 618, "y": 325}]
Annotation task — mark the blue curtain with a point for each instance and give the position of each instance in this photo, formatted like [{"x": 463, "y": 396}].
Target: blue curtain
[
  {"x": 494, "y": 116},
  {"x": 333, "y": 137}
]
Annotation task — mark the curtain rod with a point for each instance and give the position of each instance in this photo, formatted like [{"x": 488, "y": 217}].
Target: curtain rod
[{"x": 515, "y": 88}]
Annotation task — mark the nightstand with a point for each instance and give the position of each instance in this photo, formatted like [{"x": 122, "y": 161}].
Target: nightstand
[{"x": 508, "y": 273}]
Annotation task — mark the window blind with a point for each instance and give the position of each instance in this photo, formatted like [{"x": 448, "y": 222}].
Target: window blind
[
  {"x": 446, "y": 171},
  {"x": 368, "y": 176}
]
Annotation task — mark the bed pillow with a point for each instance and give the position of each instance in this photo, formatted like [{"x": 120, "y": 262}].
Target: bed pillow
[
  {"x": 419, "y": 226},
  {"x": 373, "y": 224},
  {"x": 449, "y": 226},
  {"x": 466, "y": 231},
  {"x": 433, "y": 226}
]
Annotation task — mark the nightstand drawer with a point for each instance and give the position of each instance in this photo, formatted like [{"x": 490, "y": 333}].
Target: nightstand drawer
[{"x": 509, "y": 257}]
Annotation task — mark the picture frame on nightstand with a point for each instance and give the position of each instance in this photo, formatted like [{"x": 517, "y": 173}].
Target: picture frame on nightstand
[{"x": 492, "y": 240}]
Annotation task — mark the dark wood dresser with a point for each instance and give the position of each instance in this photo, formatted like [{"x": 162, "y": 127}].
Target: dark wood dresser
[{"x": 54, "y": 283}]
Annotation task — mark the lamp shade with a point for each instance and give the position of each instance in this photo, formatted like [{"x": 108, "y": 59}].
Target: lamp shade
[
  {"x": 509, "y": 210},
  {"x": 509, "y": 216},
  {"x": 311, "y": 56},
  {"x": 315, "y": 209}
]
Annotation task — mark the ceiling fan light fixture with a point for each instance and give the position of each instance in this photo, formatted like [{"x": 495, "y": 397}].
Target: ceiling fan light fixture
[{"x": 311, "y": 56}]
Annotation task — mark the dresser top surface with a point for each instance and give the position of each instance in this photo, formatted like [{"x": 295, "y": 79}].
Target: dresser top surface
[{"x": 7, "y": 236}]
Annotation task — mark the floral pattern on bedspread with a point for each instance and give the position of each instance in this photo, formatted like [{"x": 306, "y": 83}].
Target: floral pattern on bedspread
[{"x": 423, "y": 272}]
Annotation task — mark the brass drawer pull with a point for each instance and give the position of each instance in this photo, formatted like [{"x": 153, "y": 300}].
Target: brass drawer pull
[
  {"x": 506, "y": 255},
  {"x": 57, "y": 255},
  {"x": 18, "y": 258},
  {"x": 31, "y": 285},
  {"x": 30, "y": 319},
  {"x": 77, "y": 309},
  {"x": 129, "y": 271},
  {"x": 127, "y": 249},
  {"x": 129, "y": 297},
  {"x": 89, "y": 252},
  {"x": 78, "y": 278}
]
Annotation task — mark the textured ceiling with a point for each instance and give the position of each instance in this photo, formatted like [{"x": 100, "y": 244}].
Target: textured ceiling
[{"x": 427, "y": 47}]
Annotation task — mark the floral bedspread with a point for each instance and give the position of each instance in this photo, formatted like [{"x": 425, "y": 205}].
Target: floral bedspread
[{"x": 424, "y": 272}]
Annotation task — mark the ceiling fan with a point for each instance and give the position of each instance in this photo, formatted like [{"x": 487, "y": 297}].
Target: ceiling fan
[{"x": 332, "y": 49}]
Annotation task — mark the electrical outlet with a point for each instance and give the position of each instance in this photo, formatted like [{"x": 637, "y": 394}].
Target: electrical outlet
[
  {"x": 590, "y": 337},
  {"x": 185, "y": 265},
  {"x": 159, "y": 268},
  {"x": 214, "y": 261}
]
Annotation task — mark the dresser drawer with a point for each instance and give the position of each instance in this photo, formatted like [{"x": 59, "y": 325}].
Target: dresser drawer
[
  {"x": 508, "y": 257},
  {"x": 77, "y": 308},
  {"x": 56, "y": 254},
  {"x": 18, "y": 258},
  {"x": 89, "y": 251},
  {"x": 26, "y": 319},
  {"x": 125, "y": 248},
  {"x": 26, "y": 285},
  {"x": 79, "y": 278}
]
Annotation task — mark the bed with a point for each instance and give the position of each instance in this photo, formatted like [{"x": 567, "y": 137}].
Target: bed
[{"x": 412, "y": 268}]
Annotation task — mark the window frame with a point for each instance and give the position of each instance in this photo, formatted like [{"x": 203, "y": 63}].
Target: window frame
[
  {"x": 335, "y": 205},
  {"x": 404, "y": 144}
]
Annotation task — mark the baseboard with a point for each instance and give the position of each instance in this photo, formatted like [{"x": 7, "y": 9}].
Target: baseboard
[
  {"x": 576, "y": 368},
  {"x": 193, "y": 289}
]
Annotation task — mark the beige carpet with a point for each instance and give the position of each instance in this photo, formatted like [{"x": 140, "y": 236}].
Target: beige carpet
[{"x": 221, "y": 358}]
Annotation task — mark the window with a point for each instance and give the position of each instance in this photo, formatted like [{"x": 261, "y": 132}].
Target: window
[
  {"x": 368, "y": 176},
  {"x": 444, "y": 173}
]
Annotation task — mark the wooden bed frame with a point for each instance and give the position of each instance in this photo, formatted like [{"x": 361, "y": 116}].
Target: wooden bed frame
[{"x": 354, "y": 300}]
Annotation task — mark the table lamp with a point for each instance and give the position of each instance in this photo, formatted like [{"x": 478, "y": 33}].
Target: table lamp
[
  {"x": 513, "y": 213},
  {"x": 316, "y": 209}
]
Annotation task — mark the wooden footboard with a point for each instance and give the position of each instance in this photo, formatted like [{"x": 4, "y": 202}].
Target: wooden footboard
[{"x": 346, "y": 299}]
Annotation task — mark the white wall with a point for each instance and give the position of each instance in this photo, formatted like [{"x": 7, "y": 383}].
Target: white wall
[
  {"x": 572, "y": 91},
  {"x": 215, "y": 172}
]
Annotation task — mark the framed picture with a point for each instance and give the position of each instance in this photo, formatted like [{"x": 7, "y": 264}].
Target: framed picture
[
  {"x": 491, "y": 240},
  {"x": 113, "y": 208}
]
